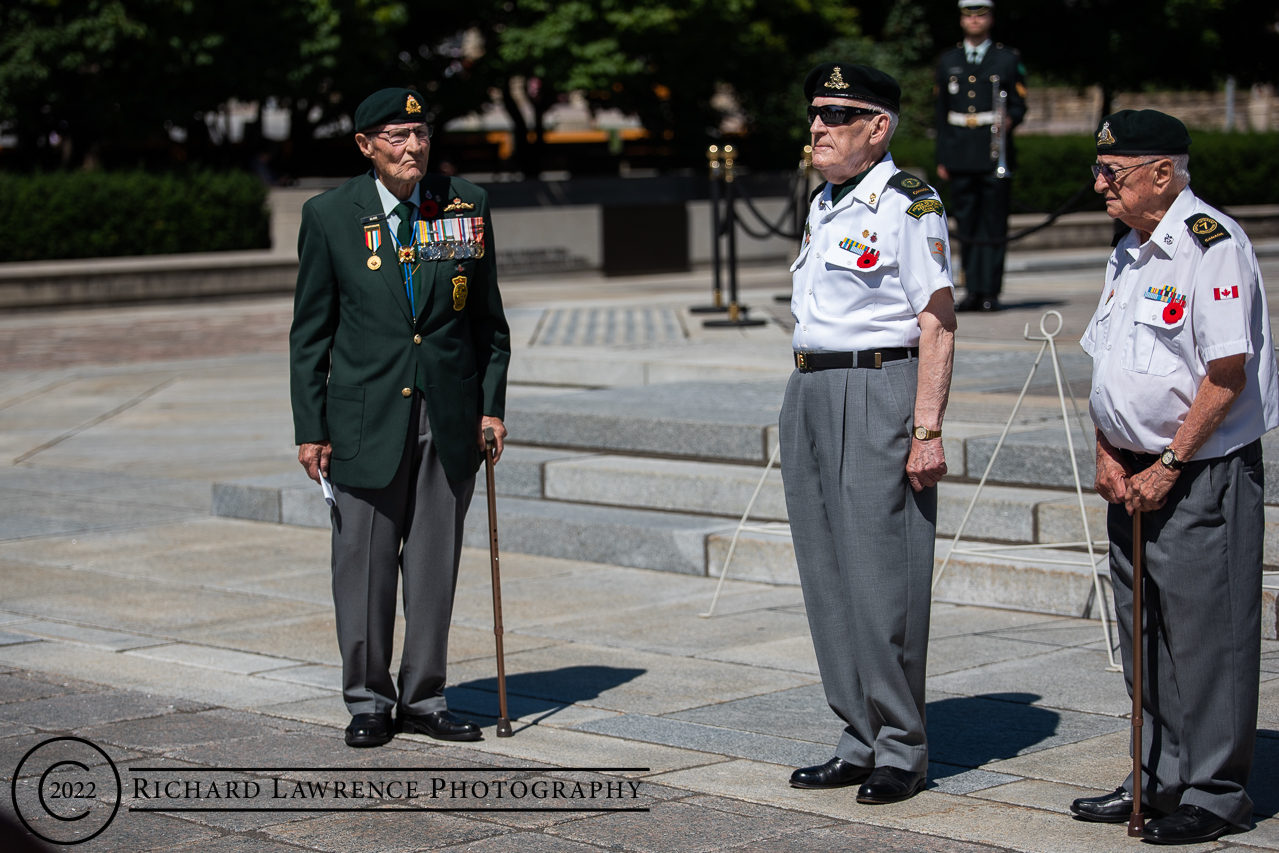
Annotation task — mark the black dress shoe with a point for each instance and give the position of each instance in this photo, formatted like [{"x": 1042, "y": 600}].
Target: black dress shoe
[
  {"x": 369, "y": 730},
  {"x": 989, "y": 303},
  {"x": 1187, "y": 825},
  {"x": 836, "y": 773},
  {"x": 971, "y": 302},
  {"x": 1115, "y": 807},
  {"x": 890, "y": 785},
  {"x": 440, "y": 725}
]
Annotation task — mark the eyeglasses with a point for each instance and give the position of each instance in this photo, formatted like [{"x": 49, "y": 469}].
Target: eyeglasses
[
  {"x": 400, "y": 138},
  {"x": 1110, "y": 173},
  {"x": 833, "y": 115}
]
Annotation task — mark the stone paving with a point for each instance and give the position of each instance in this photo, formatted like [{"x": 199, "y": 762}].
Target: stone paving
[{"x": 194, "y": 648}]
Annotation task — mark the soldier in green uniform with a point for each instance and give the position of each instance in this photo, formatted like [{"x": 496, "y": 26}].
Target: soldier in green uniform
[
  {"x": 970, "y": 77},
  {"x": 398, "y": 355}
]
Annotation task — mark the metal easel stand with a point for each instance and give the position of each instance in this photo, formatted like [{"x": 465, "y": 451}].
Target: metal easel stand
[
  {"x": 1092, "y": 562},
  {"x": 780, "y": 528}
]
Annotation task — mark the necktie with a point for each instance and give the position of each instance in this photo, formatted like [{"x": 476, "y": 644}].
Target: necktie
[{"x": 404, "y": 232}]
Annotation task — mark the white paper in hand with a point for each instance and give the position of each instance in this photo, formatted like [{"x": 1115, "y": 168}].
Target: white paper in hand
[{"x": 328, "y": 490}]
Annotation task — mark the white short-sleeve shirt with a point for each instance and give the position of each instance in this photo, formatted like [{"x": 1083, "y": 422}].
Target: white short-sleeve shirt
[
  {"x": 1170, "y": 306},
  {"x": 868, "y": 267}
]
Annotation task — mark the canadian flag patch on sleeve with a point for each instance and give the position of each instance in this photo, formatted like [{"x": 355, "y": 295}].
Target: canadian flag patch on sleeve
[{"x": 1220, "y": 293}]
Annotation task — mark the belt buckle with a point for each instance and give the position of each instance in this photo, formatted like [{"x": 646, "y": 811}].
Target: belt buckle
[
  {"x": 801, "y": 360},
  {"x": 972, "y": 120},
  {"x": 879, "y": 359}
]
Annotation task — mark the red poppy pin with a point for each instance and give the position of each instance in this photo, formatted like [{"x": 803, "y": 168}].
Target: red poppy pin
[
  {"x": 868, "y": 259},
  {"x": 1172, "y": 312},
  {"x": 429, "y": 209}
]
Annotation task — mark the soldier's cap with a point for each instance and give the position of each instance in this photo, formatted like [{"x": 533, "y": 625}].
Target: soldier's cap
[
  {"x": 389, "y": 106},
  {"x": 1141, "y": 132},
  {"x": 855, "y": 82},
  {"x": 973, "y": 4}
]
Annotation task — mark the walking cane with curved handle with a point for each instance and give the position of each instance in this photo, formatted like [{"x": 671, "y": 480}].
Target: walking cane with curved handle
[
  {"x": 1136, "y": 823},
  {"x": 503, "y": 721}
]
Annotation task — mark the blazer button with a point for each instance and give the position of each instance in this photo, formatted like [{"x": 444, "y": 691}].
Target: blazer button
[
  {"x": 417, "y": 339},
  {"x": 407, "y": 392}
]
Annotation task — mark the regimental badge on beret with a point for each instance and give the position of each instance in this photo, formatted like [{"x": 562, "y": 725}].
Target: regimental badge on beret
[
  {"x": 411, "y": 106},
  {"x": 1206, "y": 229},
  {"x": 1105, "y": 137},
  {"x": 925, "y": 206},
  {"x": 909, "y": 184},
  {"x": 836, "y": 80}
]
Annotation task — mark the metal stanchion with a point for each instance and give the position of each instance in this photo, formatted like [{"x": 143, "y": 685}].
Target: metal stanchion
[
  {"x": 715, "y": 158},
  {"x": 736, "y": 311}
]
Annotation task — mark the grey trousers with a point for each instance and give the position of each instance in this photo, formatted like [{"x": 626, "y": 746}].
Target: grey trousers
[
  {"x": 1202, "y": 633},
  {"x": 412, "y": 527},
  {"x": 864, "y": 544}
]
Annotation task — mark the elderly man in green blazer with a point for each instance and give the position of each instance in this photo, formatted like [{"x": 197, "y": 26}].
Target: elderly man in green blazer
[{"x": 398, "y": 355}]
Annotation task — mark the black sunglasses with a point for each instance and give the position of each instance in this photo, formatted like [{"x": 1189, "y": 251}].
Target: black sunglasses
[
  {"x": 833, "y": 116},
  {"x": 1101, "y": 170}
]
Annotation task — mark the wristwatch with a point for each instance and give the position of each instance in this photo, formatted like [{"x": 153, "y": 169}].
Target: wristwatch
[
  {"x": 924, "y": 433},
  {"x": 1170, "y": 460}
]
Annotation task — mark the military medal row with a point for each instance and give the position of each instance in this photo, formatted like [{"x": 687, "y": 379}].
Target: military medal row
[{"x": 433, "y": 240}]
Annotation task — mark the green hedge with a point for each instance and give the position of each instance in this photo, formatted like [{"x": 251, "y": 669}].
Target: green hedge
[
  {"x": 103, "y": 214},
  {"x": 1226, "y": 168}
]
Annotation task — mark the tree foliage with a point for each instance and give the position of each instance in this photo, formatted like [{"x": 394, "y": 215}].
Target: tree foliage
[{"x": 101, "y": 73}]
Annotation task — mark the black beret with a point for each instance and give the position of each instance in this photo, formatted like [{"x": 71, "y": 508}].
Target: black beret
[
  {"x": 857, "y": 82},
  {"x": 389, "y": 106},
  {"x": 1139, "y": 132}
]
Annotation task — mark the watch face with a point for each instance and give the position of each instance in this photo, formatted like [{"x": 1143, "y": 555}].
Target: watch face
[
  {"x": 921, "y": 433},
  {"x": 1168, "y": 458}
]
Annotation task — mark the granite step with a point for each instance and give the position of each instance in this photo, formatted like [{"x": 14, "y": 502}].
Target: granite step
[
  {"x": 1008, "y": 514},
  {"x": 697, "y": 544},
  {"x": 691, "y": 420}
]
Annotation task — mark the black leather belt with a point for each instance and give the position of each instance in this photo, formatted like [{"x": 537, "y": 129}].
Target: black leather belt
[
  {"x": 871, "y": 358},
  {"x": 1138, "y": 461}
]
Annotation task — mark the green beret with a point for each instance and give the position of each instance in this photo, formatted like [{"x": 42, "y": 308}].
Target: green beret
[
  {"x": 856, "y": 82},
  {"x": 1140, "y": 132},
  {"x": 389, "y": 106}
]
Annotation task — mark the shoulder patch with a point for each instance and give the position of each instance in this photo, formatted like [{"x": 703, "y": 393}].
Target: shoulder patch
[
  {"x": 1206, "y": 229},
  {"x": 923, "y": 206},
  {"x": 909, "y": 184}
]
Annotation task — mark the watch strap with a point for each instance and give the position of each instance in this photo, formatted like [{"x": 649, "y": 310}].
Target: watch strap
[{"x": 928, "y": 434}]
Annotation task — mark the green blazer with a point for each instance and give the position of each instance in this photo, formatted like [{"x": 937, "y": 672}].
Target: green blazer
[{"x": 355, "y": 349}]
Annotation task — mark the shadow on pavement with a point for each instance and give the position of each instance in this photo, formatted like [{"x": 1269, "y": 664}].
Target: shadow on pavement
[
  {"x": 540, "y": 693},
  {"x": 971, "y": 731}
]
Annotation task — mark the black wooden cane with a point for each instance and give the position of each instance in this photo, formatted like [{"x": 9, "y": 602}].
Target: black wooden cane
[
  {"x": 503, "y": 721},
  {"x": 1136, "y": 823}
]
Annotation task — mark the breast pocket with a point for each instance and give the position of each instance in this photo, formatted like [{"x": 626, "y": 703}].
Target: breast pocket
[{"x": 1154, "y": 342}]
